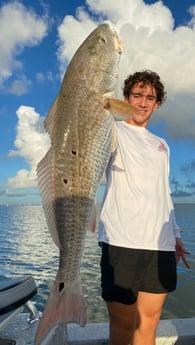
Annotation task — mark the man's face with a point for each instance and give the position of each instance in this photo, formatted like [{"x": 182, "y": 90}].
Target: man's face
[{"x": 144, "y": 99}]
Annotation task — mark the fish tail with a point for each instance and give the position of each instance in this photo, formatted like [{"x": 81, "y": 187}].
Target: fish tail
[{"x": 65, "y": 304}]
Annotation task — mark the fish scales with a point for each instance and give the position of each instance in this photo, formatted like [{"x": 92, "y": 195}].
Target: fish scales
[{"x": 81, "y": 132}]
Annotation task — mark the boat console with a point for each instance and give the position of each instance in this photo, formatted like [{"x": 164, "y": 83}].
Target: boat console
[{"x": 15, "y": 294}]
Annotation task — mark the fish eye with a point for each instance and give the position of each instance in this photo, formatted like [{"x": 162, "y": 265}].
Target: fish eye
[{"x": 102, "y": 40}]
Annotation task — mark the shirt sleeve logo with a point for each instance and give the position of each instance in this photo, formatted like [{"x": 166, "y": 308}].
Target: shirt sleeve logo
[{"x": 162, "y": 148}]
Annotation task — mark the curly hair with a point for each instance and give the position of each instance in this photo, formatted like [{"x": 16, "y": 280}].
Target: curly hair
[{"x": 145, "y": 77}]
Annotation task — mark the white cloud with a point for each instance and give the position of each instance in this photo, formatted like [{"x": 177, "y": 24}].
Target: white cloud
[
  {"x": 23, "y": 180},
  {"x": 42, "y": 77},
  {"x": 150, "y": 42},
  {"x": 135, "y": 12},
  {"x": 192, "y": 12},
  {"x": 31, "y": 143},
  {"x": 20, "y": 28},
  {"x": 79, "y": 28},
  {"x": 19, "y": 86}
]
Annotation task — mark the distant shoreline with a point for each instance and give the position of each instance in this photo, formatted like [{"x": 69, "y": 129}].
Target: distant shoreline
[{"x": 98, "y": 204}]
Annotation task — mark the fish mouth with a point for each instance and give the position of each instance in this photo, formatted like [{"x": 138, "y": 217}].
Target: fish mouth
[
  {"x": 111, "y": 84},
  {"x": 118, "y": 42},
  {"x": 111, "y": 75}
]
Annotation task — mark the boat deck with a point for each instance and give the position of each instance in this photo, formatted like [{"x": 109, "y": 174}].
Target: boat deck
[{"x": 170, "y": 332}]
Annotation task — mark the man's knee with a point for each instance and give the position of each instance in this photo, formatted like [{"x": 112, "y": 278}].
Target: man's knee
[{"x": 122, "y": 323}]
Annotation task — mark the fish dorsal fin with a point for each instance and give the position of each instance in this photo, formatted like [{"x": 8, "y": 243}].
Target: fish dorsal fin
[
  {"x": 49, "y": 121},
  {"x": 119, "y": 109}
]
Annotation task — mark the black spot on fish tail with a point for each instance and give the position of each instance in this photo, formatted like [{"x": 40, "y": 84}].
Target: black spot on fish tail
[
  {"x": 74, "y": 152},
  {"x": 61, "y": 286},
  {"x": 65, "y": 181}
]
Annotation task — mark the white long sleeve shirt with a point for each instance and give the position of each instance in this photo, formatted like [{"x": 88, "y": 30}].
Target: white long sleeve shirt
[{"x": 137, "y": 210}]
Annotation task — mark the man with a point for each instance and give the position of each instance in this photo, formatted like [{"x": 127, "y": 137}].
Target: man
[{"x": 140, "y": 239}]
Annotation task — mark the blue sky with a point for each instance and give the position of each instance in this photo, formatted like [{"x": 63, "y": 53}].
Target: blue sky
[{"x": 38, "y": 39}]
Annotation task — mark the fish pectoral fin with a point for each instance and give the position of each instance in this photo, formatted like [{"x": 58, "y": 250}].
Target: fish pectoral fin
[
  {"x": 119, "y": 109},
  {"x": 65, "y": 304},
  {"x": 92, "y": 219}
]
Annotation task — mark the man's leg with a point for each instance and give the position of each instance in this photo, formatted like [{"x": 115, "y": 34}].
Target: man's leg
[
  {"x": 122, "y": 323},
  {"x": 149, "y": 308}
]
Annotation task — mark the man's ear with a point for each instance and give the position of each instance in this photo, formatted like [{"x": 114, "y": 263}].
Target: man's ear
[{"x": 157, "y": 105}]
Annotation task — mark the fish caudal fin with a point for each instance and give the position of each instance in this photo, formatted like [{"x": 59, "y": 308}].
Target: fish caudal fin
[
  {"x": 64, "y": 305},
  {"x": 119, "y": 109}
]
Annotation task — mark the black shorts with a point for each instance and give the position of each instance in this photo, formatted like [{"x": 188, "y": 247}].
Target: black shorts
[{"x": 125, "y": 272}]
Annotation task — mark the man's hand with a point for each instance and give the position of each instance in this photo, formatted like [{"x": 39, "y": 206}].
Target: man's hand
[{"x": 181, "y": 252}]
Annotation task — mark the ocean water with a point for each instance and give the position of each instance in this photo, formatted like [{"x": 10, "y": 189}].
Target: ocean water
[{"x": 27, "y": 248}]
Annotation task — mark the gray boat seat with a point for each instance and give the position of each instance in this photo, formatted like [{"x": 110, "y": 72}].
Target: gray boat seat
[{"x": 14, "y": 295}]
